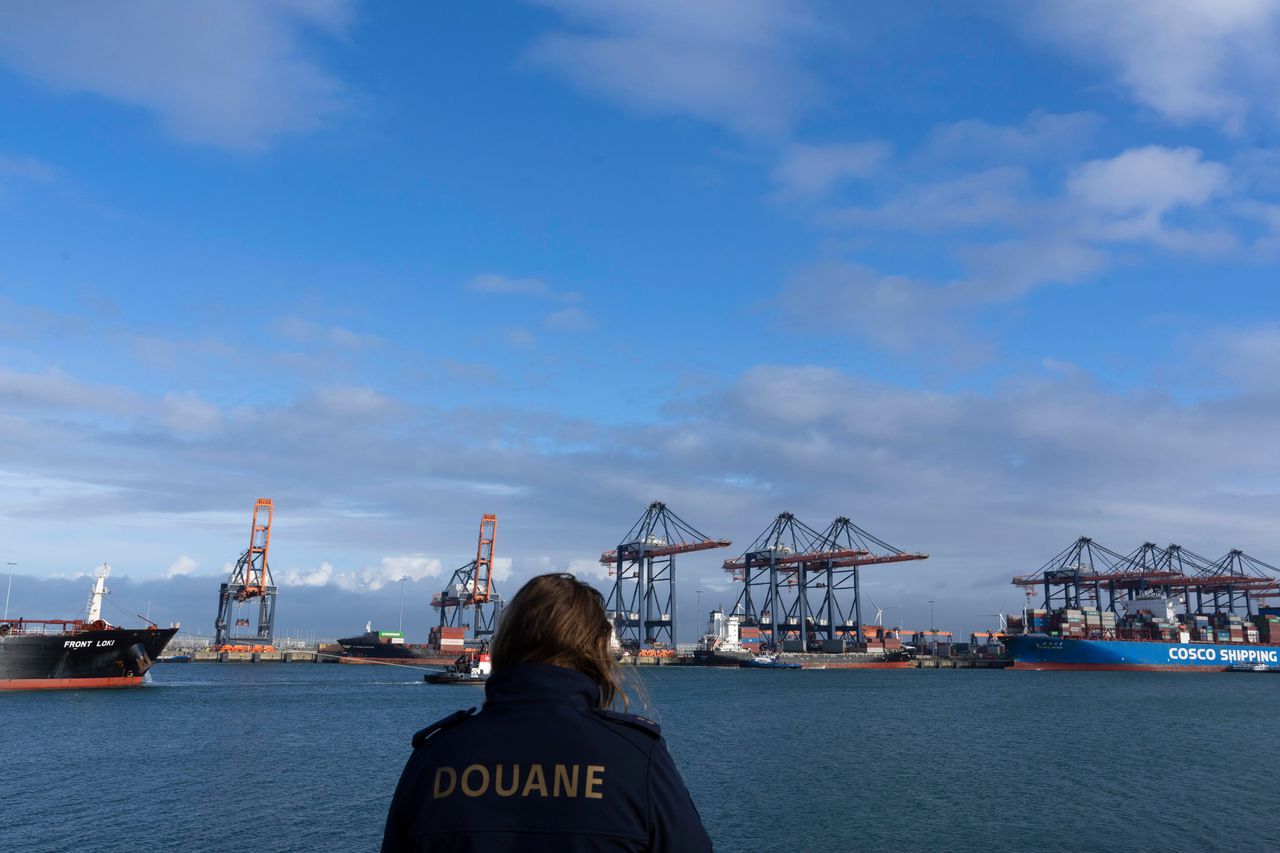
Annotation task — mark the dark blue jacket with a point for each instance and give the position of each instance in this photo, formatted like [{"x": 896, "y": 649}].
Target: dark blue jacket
[{"x": 541, "y": 767}]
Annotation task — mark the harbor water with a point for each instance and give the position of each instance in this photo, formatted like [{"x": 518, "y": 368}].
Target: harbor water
[{"x": 305, "y": 757}]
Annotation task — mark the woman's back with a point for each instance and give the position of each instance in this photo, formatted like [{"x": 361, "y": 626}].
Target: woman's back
[{"x": 542, "y": 767}]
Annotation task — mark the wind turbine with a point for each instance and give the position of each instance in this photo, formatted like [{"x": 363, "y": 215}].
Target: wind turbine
[
  {"x": 1004, "y": 620},
  {"x": 879, "y": 613}
]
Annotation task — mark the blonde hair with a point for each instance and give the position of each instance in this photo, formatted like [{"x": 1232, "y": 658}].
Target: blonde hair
[{"x": 560, "y": 620}]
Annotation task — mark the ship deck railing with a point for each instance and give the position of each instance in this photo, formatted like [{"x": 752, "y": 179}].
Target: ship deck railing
[{"x": 28, "y": 627}]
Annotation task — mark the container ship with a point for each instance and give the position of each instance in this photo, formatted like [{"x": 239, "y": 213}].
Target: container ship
[
  {"x": 1149, "y": 622},
  {"x": 47, "y": 654},
  {"x": 443, "y": 647}
]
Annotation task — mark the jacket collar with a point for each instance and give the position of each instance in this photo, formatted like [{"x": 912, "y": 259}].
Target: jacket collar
[{"x": 540, "y": 683}]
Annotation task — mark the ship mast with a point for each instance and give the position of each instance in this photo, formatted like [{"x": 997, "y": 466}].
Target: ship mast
[{"x": 93, "y": 611}]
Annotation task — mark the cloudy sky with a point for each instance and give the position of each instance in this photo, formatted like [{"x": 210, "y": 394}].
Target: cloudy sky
[{"x": 983, "y": 281}]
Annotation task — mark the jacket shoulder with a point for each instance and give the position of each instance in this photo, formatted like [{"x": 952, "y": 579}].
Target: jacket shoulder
[
  {"x": 634, "y": 721},
  {"x": 441, "y": 725}
]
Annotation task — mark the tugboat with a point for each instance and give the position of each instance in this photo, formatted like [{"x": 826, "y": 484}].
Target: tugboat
[
  {"x": 469, "y": 668},
  {"x": 45, "y": 654}
]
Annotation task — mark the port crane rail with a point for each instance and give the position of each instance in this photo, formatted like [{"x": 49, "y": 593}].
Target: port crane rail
[
  {"x": 823, "y": 570},
  {"x": 250, "y": 580},
  {"x": 1086, "y": 575},
  {"x": 472, "y": 587},
  {"x": 642, "y": 602}
]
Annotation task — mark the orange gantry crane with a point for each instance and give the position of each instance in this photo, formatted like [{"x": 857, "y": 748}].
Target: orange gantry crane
[
  {"x": 471, "y": 592},
  {"x": 250, "y": 580}
]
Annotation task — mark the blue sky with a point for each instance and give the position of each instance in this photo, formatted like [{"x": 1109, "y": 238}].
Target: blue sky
[{"x": 982, "y": 279}]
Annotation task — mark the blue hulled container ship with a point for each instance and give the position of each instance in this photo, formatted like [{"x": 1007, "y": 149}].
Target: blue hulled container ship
[
  {"x": 1154, "y": 609},
  {"x": 1040, "y": 651}
]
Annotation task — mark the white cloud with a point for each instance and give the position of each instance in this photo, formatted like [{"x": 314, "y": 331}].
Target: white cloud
[
  {"x": 54, "y": 390},
  {"x": 808, "y": 170},
  {"x": 28, "y": 168},
  {"x": 999, "y": 196},
  {"x": 1040, "y": 136},
  {"x": 518, "y": 336},
  {"x": 414, "y": 567},
  {"x": 1131, "y": 194},
  {"x": 502, "y": 569},
  {"x": 1188, "y": 60},
  {"x": 321, "y": 576},
  {"x": 586, "y": 568},
  {"x": 733, "y": 62},
  {"x": 496, "y": 283},
  {"x": 1018, "y": 237},
  {"x": 1005, "y": 271},
  {"x": 304, "y": 331},
  {"x": 391, "y": 569},
  {"x": 1148, "y": 181},
  {"x": 571, "y": 319},
  {"x": 1247, "y": 358},
  {"x": 236, "y": 75},
  {"x": 184, "y": 565},
  {"x": 895, "y": 312},
  {"x": 187, "y": 413},
  {"x": 355, "y": 401}
]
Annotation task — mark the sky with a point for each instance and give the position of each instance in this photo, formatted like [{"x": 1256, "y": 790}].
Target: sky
[{"x": 983, "y": 278}]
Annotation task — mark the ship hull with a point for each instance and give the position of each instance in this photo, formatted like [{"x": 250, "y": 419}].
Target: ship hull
[
  {"x": 368, "y": 649},
  {"x": 112, "y": 657},
  {"x": 1053, "y": 653},
  {"x": 867, "y": 664},
  {"x": 702, "y": 657}
]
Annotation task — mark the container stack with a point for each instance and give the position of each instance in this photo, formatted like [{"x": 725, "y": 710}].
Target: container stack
[
  {"x": 1268, "y": 627},
  {"x": 1107, "y": 620},
  {"x": 451, "y": 639}
]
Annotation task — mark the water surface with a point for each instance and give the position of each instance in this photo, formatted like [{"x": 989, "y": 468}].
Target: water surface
[{"x": 305, "y": 757}]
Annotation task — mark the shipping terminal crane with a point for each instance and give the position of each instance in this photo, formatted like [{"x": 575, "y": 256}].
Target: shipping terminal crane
[
  {"x": 250, "y": 579},
  {"x": 803, "y": 586},
  {"x": 471, "y": 588},
  {"x": 642, "y": 603}
]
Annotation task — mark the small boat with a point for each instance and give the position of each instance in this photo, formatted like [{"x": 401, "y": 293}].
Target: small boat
[
  {"x": 767, "y": 662},
  {"x": 174, "y": 659},
  {"x": 468, "y": 669},
  {"x": 1252, "y": 667}
]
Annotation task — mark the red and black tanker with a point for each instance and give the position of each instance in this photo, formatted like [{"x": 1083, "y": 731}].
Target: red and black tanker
[{"x": 43, "y": 654}]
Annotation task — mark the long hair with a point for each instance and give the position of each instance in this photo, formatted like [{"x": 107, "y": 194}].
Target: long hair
[{"x": 560, "y": 620}]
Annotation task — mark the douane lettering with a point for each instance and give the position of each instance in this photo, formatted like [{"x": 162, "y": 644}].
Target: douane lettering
[
  {"x": 537, "y": 780},
  {"x": 441, "y": 772},
  {"x": 568, "y": 781},
  {"x": 475, "y": 790},
  {"x": 595, "y": 778},
  {"x": 515, "y": 781},
  {"x": 562, "y": 775}
]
